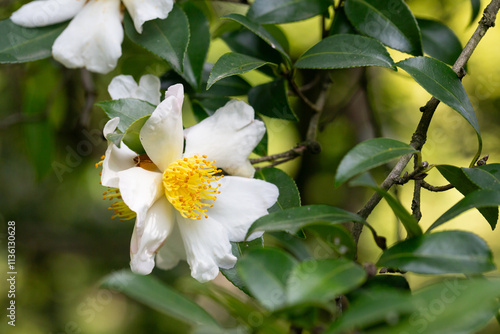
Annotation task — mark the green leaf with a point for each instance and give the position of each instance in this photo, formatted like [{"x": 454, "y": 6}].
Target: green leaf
[
  {"x": 476, "y": 8},
  {"x": 131, "y": 136},
  {"x": 265, "y": 272},
  {"x": 293, "y": 219},
  {"x": 261, "y": 148},
  {"x": 238, "y": 249},
  {"x": 198, "y": 46},
  {"x": 482, "y": 178},
  {"x": 202, "y": 108},
  {"x": 341, "y": 24},
  {"x": 391, "y": 22},
  {"x": 439, "y": 41},
  {"x": 116, "y": 138},
  {"x": 336, "y": 237},
  {"x": 456, "y": 176},
  {"x": 344, "y": 51},
  {"x": 370, "y": 154},
  {"x": 409, "y": 222},
  {"x": 230, "y": 86},
  {"x": 440, "y": 81},
  {"x": 129, "y": 110},
  {"x": 289, "y": 196},
  {"x": 246, "y": 42},
  {"x": 270, "y": 99},
  {"x": 440, "y": 253},
  {"x": 20, "y": 45},
  {"x": 285, "y": 11},
  {"x": 231, "y": 64},
  {"x": 151, "y": 292},
  {"x": 477, "y": 199},
  {"x": 319, "y": 281},
  {"x": 260, "y": 31},
  {"x": 166, "y": 38}
]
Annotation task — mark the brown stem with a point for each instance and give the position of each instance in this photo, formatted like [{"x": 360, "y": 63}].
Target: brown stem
[{"x": 429, "y": 187}]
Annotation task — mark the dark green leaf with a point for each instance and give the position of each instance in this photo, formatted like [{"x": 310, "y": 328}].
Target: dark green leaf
[
  {"x": 202, "y": 108},
  {"x": 265, "y": 273},
  {"x": 293, "y": 219},
  {"x": 285, "y": 11},
  {"x": 370, "y": 154},
  {"x": 20, "y": 45},
  {"x": 246, "y": 42},
  {"x": 198, "y": 45},
  {"x": 166, "y": 38},
  {"x": 409, "y": 222},
  {"x": 341, "y": 24},
  {"x": 391, "y": 22},
  {"x": 289, "y": 196},
  {"x": 231, "y": 64},
  {"x": 270, "y": 99},
  {"x": 260, "y": 31},
  {"x": 439, "y": 41},
  {"x": 238, "y": 249},
  {"x": 319, "y": 281},
  {"x": 129, "y": 110},
  {"x": 343, "y": 51},
  {"x": 337, "y": 240},
  {"x": 131, "y": 136},
  {"x": 476, "y": 8},
  {"x": 230, "y": 86},
  {"x": 440, "y": 253},
  {"x": 292, "y": 243},
  {"x": 482, "y": 178},
  {"x": 261, "y": 148},
  {"x": 151, "y": 292},
  {"x": 477, "y": 199},
  {"x": 440, "y": 81},
  {"x": 456, "y": 176}
]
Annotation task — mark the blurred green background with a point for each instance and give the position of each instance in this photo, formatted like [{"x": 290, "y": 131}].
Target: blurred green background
[{"x": 65, "y": 239}]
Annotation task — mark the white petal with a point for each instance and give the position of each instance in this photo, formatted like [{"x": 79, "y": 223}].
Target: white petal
[
  {"x": 145, "y": 10},
  {"x": 172, "y": 250},
  {"x": 116, "y": 159},
  {"x": 241, "y": 202},
  {"x": 228, "y": 136},
  {"x": 124, "y": 86},
  {"x": 139, "y": 189},
  {"x": 44, "y": 13},
  {"x": 158, "y": 225},
  {"x": 93, "y": 38},
  {"x": 161, "y": 135},
  {"x": 177, "y": 91},
  {"x": 110, "y": 126},
  {"x": 207, "y": 247}
]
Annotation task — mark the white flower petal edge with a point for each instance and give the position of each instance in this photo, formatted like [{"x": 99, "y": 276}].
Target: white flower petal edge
[
  {"x": 44, "y": 13},
  {"x": 241, "y": 202},
  {"x": 93, "y": 38},
  {"x": 116, "y": 158},
  {"x": 172, "y": 250},
  {"x": 145, "y": 10},
  {"x": 162, "y": 136},
  {"x": 124, "y": 86},
  {"x": 157, "y": 226},
  {"x": 207, "y": 247},
  {"x": 228, "y": 136}
]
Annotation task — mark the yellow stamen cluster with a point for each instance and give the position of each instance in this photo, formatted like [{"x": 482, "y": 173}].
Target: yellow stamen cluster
[
  {"x": 97, "y": 164},
  {"x": 121, "y": 210},
  {"x": 188, "y": 185}
]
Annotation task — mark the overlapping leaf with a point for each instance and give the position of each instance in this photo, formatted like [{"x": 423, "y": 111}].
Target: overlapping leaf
[{"x": 285, "y": 11}]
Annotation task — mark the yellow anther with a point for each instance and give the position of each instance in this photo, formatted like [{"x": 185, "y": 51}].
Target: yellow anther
[
  {"x": 188, "y": 185},
  {"x": 121, "y": 210}
]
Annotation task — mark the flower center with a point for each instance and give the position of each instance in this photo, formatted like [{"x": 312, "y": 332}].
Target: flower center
[
  {"x": 188, "y": 185},
  {"x": 121, "y": 209}
]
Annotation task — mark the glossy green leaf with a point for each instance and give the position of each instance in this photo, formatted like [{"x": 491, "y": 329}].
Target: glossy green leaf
[
  {"x": 409, "y": 222},
  {"x": 260, "y": 31},
  {"x": 343, "y": 51},
  {"x": 246, "y": 42},
  {"x": 238, "y": 249},
  {"x": 439, "y": 41},
  {"x": 131, "y": 136},
  {"x": 440, "y": 253},
  {"x": 198, "y": 46},
  {"x": 153, "y": 293},
  {"x": 230, "y": 86},
  {"x": 391, "y": 22},
  {"x": 262, "y": 146},
  {"x": 293, "y": 219},
  {"x": 20, "y": 45},
  {"x": 115, "y": 138},
  {"x": 475, "y": 10},
  {"x": 456, "y": 176},
  {"x": 320, "y": 281},
  {"x": 289, "y": 196},
  {"x": 440, "y": 81},
  {"x": 370, "y": 154},
  {"x": 129, "y": 110},
  {"x": 265, "y": 272},
  {"x": 483, "y": 178},
  {"x": 285, "y": 11},
  {"x": 341, "y": 24},
  {"x": 478, "y": 199},
  {"x": 168, "y": 38},
  {"x": 337, "y": 241},
  {"x": 231, "y": 64},
  {"x": 271, "y": 99}
]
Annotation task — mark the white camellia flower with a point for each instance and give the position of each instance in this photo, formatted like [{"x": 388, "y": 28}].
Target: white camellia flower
[
  {"x": 184, "y": 208},
  {"x": 94, "y": 36}
]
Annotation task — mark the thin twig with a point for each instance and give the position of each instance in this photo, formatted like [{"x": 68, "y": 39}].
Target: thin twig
[
  {"x": 420, "y": 135},
  {"x": 304, "y": 98},
  {"x": 429, "y": 187},
  {"x": 415, "y": 203},
  {"x": 294, "y": 152}
]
